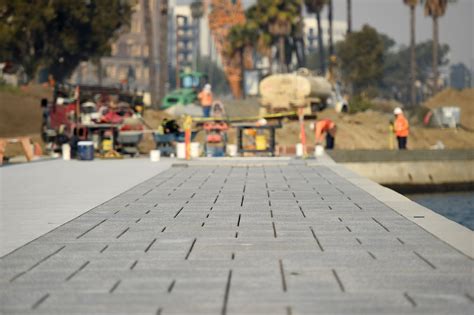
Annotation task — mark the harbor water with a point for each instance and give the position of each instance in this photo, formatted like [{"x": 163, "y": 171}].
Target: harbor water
[{"x": 456, "y": 206}]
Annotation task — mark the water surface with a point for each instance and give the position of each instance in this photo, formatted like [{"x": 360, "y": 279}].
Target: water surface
[{"x": 456, "y": 206}]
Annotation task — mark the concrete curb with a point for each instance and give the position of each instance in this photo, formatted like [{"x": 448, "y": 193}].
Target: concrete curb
[{"x": 450, "y": 232}]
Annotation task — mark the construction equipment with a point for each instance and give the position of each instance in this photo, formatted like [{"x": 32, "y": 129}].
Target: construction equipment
[
  {"x": 216, "y": 138},
  {"x": 183, "y": 100},
  {"x": 25, "y": 143},
  {"x": 80, "y": 113},
  {"x": 256, "y": 138},
  {"x": 302, "y": 89},
  {"x": 165, "y": 143}
]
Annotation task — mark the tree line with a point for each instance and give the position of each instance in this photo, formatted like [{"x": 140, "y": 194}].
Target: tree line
[
  {"x": 366, "y": 58},
  {"x": 59, "y": 34}
]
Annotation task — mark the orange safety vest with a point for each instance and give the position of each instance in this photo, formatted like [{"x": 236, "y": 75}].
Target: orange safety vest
[
  {"x": 205, "y": 98},
  {"x": 322, "y": 126},
  {"x": 401, "y": 126}
]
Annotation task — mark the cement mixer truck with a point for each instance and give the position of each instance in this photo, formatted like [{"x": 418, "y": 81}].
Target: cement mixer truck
[{"x": 289, "y": 91}]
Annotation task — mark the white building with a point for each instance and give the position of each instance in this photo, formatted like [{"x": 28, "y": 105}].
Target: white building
[{"x": 311, "y": 32}]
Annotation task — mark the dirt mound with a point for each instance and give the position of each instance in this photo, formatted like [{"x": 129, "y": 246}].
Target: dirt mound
[
  {"x": 463, "y": 99},
  {"x": 20, "y": 110},
  {"x": 20, "y": 114}
]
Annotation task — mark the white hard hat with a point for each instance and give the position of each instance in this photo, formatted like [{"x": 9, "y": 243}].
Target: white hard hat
[
  {"x": 262, "y": 122},
  {"x": 207, "y": 87},
  {"x": 397, "y": 111}
]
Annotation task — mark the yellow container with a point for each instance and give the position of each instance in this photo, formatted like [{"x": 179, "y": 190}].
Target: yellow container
[
  {"x": 261, "y": 142},
  {"x": 106, "y": 145}
]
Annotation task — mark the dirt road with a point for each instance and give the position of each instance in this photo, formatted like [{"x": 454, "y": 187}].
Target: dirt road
[{"x": 20, "y": 114}]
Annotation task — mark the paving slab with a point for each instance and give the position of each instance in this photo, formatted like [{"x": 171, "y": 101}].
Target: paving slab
[
  {"x": 263, "y": 237},
  {"x": 37, "y": 197}
]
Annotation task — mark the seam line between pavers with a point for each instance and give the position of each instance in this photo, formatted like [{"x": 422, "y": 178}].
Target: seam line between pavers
[
  {"x": 377, "y": 197},
  {"x": 101, "y": 204}
]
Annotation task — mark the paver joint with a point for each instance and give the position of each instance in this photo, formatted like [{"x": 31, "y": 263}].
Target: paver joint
[{"x": 258, "y": 239}]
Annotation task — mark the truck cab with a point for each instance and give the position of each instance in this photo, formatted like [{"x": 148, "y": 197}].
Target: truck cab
[{"x": 191, "y": 83}]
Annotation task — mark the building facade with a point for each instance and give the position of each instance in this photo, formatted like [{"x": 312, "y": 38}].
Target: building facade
[{"x": 128, "y": 63}]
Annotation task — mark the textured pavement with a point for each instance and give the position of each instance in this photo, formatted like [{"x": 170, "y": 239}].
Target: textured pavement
[
  {"x": 39, "y": 196},
  {"x": 258, "y": 239}
]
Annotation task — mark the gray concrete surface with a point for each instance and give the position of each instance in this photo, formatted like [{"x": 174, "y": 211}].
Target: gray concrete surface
[
  {"x": 37, "y": 197},
  {"x": 371, "y": 156},
  {"x": 412, "y": 170},
  {"x": 458, "y": 236},
  {"x": 236, "y": 239}
]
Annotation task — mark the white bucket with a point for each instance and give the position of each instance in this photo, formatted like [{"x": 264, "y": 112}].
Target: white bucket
[
  {"x": 66, "y": 149},
  {"x": 299, "y": 149},
  {"x": 232, "y": 150},
  {"x": 318, "y": 150},
  {"x": 155, "y": 155},
  {"x": 181, "y": 150},
  {"x": 195, "y": 147}
]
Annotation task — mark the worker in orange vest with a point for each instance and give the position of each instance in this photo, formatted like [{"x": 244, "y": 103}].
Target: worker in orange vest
[
  {"x": 328, "y": 127},
  {"x": 205, "y": 98},
  {"x": 401, "y": 128}
]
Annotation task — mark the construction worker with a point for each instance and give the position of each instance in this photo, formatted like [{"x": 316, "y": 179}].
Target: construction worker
[
  {"x": 326, "y": 127},
  {"x": 401, "y": 128},
  {"x": 205, "y": 98}
]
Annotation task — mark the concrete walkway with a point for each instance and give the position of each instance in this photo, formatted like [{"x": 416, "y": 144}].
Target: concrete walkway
[
  {"x": 37, "y": 197},
  {"x": 239, "y": 238}
]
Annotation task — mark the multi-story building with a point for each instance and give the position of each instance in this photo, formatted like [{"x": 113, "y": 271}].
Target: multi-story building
[
  {"x": 311, "y": 32},
  {"x": 128, "y": 62}
]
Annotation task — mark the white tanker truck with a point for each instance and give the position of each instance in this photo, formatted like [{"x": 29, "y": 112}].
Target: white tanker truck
[{"x": 287, "y": 92}]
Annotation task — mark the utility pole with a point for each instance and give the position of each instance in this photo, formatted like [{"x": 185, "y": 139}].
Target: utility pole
[{"x": 163, "y": 49}]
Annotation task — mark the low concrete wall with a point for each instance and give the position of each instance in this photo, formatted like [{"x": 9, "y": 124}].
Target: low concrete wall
[{"x": 411, "y": 171}]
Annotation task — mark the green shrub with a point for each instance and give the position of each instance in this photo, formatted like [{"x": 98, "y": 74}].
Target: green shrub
[
  {"x": 4, "y": 87},
  {"x": 359, "y": 104}
]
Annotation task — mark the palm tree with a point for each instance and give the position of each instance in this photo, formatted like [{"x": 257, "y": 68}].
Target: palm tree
[
  {"x": 316, "y": 6},
  {"x": 330, "y": 30},
  {"x": 163, "y": 49},
  {"x": 240, "y": 38},
  {"x": 435, "y": 9},
  {"x": 349, "y": 16},
  {"x": 264, "y": 41},
  {"x": 412, "y": 4},
  {"x": 151, "y": 56},
  {"x": 281, "y": 16}
]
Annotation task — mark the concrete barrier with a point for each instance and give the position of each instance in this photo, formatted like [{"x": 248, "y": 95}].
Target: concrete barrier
[{"x": 411, "y": 171}]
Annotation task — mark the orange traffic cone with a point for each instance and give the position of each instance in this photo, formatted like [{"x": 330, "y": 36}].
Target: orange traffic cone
[{"x": 37, "y": 150}]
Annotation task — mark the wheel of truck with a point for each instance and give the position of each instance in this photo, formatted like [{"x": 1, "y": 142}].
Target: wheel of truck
[
  {"x": 317, "y": 107},
  {"x": 44, "y": 133}
]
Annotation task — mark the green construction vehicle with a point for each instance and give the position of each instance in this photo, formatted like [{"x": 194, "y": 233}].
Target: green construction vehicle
[{"x": 178, "y": 100}]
